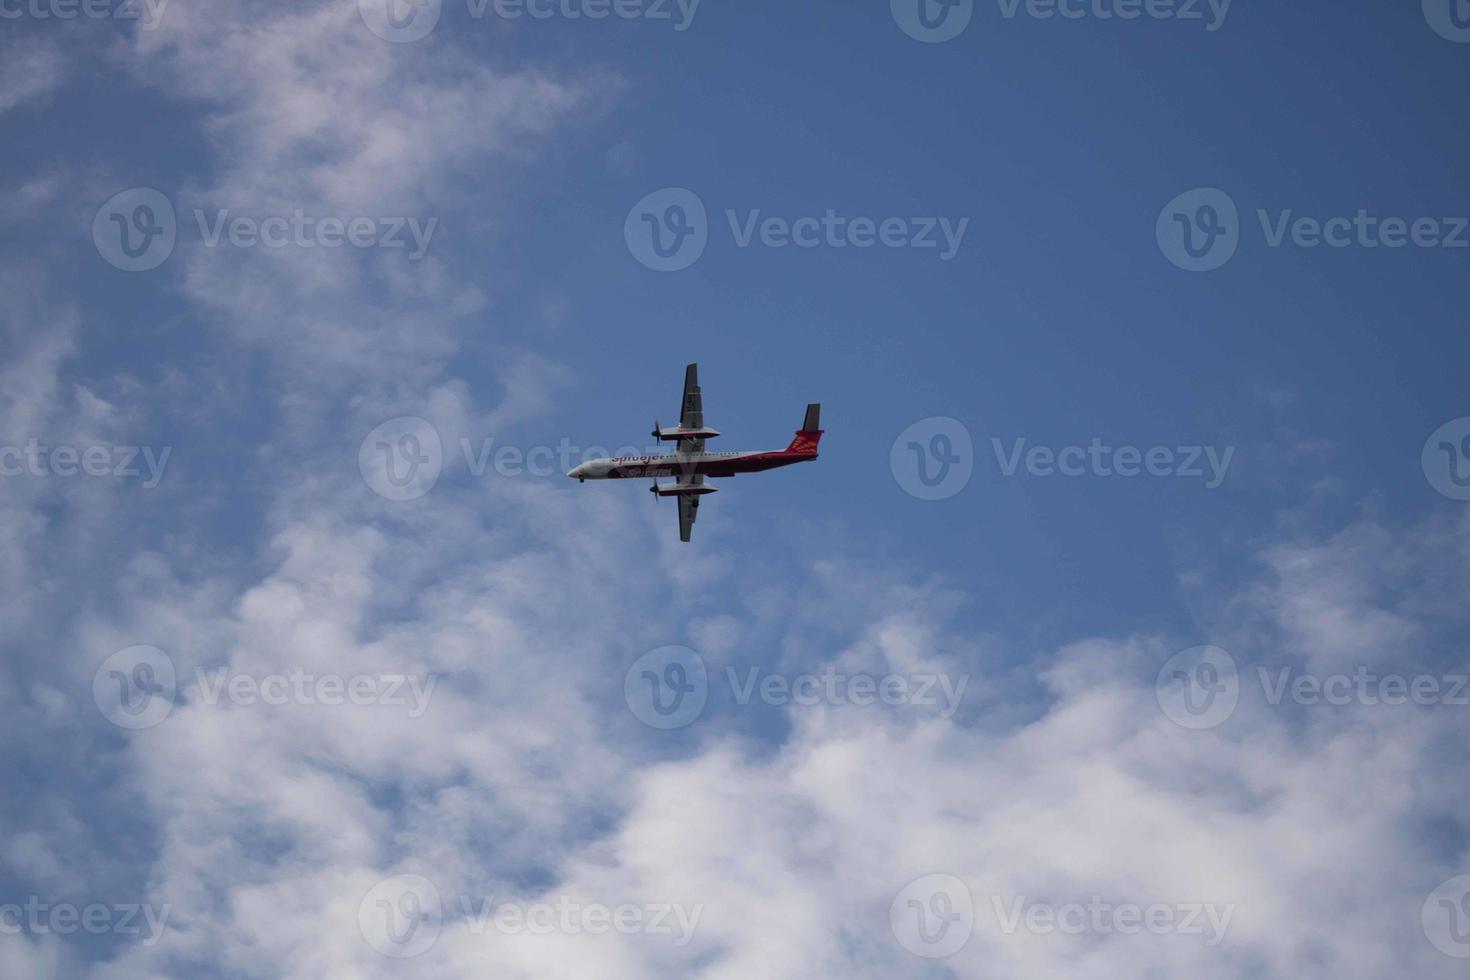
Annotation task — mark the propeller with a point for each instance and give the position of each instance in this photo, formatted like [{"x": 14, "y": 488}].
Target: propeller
[
  {"x": 657, "y": 429},
  {"x": 654, "y": 489}
]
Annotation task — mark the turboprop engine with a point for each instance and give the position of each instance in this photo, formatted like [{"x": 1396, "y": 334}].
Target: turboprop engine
[
  {"x": 680, "y": 432},
  {"x": 682, "y": 489}
]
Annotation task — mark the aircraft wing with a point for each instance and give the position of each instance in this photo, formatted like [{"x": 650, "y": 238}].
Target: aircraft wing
[
  {"x": 688, "y": 511},
  {"x": 691, "y": 416}
]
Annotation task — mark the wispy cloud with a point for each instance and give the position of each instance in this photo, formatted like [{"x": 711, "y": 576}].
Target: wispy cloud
[{"x": 30, "y": 69}]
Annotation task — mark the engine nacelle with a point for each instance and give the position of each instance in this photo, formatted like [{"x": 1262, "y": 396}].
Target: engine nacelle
[
  {"x": 683, "y": 490},
  {"x": 674, "y": 435}
]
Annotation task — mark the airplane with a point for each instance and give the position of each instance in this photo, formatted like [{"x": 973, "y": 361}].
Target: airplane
[{"x": 690, "y": 464}]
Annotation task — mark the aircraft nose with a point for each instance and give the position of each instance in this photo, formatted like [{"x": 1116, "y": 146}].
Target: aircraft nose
[{"x": 576, "y": 471}]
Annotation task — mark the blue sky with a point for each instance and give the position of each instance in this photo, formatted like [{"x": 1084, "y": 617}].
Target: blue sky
[{"x": 1124, "y": 677}]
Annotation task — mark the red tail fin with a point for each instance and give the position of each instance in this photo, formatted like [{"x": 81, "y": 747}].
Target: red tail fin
[{"x": 810, "y": 433}]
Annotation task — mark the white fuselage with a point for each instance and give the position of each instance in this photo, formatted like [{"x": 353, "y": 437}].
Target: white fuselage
[{"x": 666, "y": 464}]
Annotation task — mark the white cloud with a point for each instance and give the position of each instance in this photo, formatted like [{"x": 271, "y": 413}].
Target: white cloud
[
  {"x": 309, "y": 110},
  {"x": 30, "y": 69},
  {"x": 522, "y": 783}
]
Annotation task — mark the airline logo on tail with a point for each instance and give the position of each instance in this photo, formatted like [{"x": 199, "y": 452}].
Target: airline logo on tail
[{"x": 810, "y": 433}]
